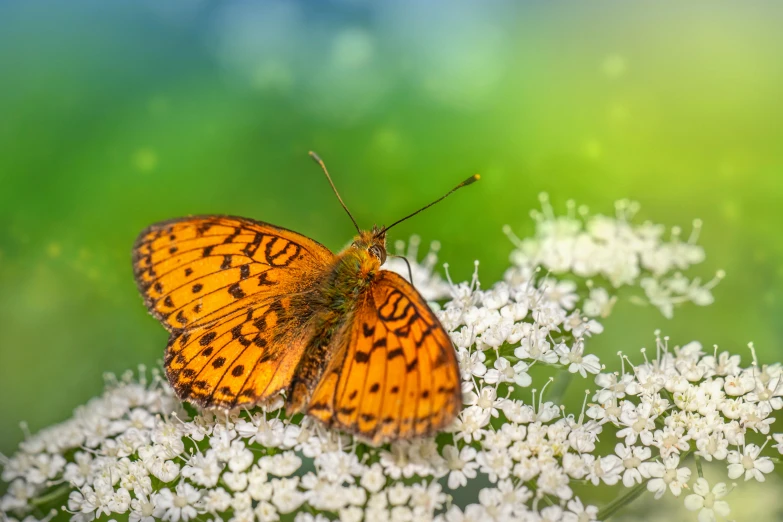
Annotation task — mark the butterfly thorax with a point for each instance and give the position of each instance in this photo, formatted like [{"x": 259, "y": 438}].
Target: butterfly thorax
[
  {"x": 343, "y": 288},
  {"x": 354, "y": 270}
]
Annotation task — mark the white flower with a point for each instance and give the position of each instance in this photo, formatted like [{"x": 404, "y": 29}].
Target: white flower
[
  {"x": 599, "y": 304},
  {"x": 266, "y": 512},
  {"x": 79, "y": 471},
  {"x": 203, "y": 469},
  {"x": 552, "y": 514},
  {"x": 714, "y": 446},
  {"x": 473, "y": 513},
  {"x": 631, "y": 460},
  {"x": 639, "y": 421},
  {"x": 398, "y": 494},
  {"x": 768, "y": 394},
  {"x": 471, "y": 363},
  {"x": 19, "y": 494},
  {"x": 740, "y": 384},
  {"x": 240, "y": 458},
  {"x": 426, "y": 498},
  {"x": 486, "y": 399},
  {"x": 671, "y": 440},
  {"x": 215, "y": 500},
  {"x": 613, "y": 386},
  {"x": 461, "y": 465},
  {"x": 286, "y": 496},
  {"x": 749, "y": 463},
  {"x": 494, "y": 505},
  {"x": 235, "y": 480},
  {"x": 351, "y": 514},
  {"x": 707, "y": 502},
  {"x": 470, "y": 424},
  {"x": 667, "y": 474},
  {"x": 561, "y": 292},
  {"x": 502, "y": 371},
  {"x": 45, "y": 466},
  {"x": 143, "y": 509},
  {"x": 284, "y": 464},
  {"x": 575, "y": 359},
  {"x": 180, "y": 505},
  {"x": 168, "y": 470},
  {"x": 373, "y": 480},
  {"x": 535, "y": 346},
  {"x": 397, "y": 462},
  {"x": 496, "y": 464},
  {"x": 553, "y": 481},
  {"x": 578, "y": 512},
  {"x": 338, "y": 467},
  {"x": 308, "y": 517}
]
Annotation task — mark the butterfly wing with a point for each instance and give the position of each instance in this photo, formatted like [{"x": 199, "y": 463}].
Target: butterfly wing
[
  {"x": 396, "y": 374},
  {"x": 230, "y": 292}
]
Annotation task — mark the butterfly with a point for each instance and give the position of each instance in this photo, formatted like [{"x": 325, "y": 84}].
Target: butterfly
[{"x": 254, "y": 310}]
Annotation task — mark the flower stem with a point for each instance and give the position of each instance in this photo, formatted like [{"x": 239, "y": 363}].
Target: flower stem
[
  {"x": 559, "y": 387},
  {"x": 52, "y": 495},
  {"x": 622, "y": 501},
  {"x": 698, "y": 466}
]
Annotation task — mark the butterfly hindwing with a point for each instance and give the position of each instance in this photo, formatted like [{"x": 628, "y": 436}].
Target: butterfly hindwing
[
  {"x": 397, "y": 374},
  {"x": 223, "y": 287},
  {"x": 240, "y": 360}
]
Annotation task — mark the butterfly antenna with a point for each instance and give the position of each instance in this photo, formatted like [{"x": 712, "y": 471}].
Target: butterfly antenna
[
  {"x": 472, "y": 179},
  {"x": 323, "y": 167},
  {"x": 410, "y": 272}
]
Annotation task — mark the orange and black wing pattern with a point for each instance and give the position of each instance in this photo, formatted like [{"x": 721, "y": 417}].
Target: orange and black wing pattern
[
  {"x": 396, "y": 375},
  {"x": 229, "y": 291}
]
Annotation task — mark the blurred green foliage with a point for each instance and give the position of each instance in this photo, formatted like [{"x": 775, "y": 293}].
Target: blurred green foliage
[{"x": 116, "y": 115}]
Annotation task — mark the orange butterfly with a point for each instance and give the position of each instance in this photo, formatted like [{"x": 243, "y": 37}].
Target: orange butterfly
[{"x": 254, "y": 309}]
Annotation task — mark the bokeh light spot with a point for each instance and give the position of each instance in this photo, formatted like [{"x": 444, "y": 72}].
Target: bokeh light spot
[
  {"x": 158, "y": 105},
  {"x": 592, "y": 149},
  {"x": 145, "y": 160},
  {"x": 730, "y": 210},
  {"x": 272, "y": 75},
  {"x": 619, "y": 113},
  {"x": 352, "y": 49},
  {"x": 53, "y": 250},
  {"x": 614, "y": 66}
]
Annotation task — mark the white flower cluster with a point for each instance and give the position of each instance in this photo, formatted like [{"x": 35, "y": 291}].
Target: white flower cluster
[
  {"x": 137, "y": 452},
  {"x": 683, "y": 403},
  {"x": 616, "y": 252}
]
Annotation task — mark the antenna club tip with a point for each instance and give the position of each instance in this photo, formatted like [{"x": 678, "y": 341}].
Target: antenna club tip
[
  {"x": 315, "y": 156},
  {"x": 474, "y": 178}
]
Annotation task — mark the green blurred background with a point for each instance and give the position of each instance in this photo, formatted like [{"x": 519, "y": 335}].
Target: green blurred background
[{"x": 117, "y": 114}]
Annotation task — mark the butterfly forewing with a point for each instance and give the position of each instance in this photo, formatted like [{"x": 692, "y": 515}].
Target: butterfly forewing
[
  {"x": 397, "y": 375},
  {"x": 223, "y": 286},
  {"x": 194, "y": 271}
]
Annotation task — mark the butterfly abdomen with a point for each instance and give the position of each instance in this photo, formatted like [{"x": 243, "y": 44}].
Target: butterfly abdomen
[{"x": 342, "y": 289}]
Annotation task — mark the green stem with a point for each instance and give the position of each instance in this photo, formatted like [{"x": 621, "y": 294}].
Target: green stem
[
  {"x": 698, "y": 466},
  {"x": 622, "y": 501},
  {"x": 52, "y": 495},
  {"x": 559, "y": 386}
]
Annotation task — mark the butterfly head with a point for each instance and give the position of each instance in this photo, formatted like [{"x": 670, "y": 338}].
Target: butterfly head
[{"x": 373, "y": 242}]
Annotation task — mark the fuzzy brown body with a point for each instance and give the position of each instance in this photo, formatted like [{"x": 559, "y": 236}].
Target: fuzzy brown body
[{"x": 333, "y": 303}]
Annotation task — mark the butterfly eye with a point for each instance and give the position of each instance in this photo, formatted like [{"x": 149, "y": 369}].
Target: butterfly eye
[{"x": 378, "y": 252}]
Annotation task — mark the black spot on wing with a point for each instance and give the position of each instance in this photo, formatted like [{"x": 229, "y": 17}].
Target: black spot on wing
[{"x": 236, "y": 291}]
